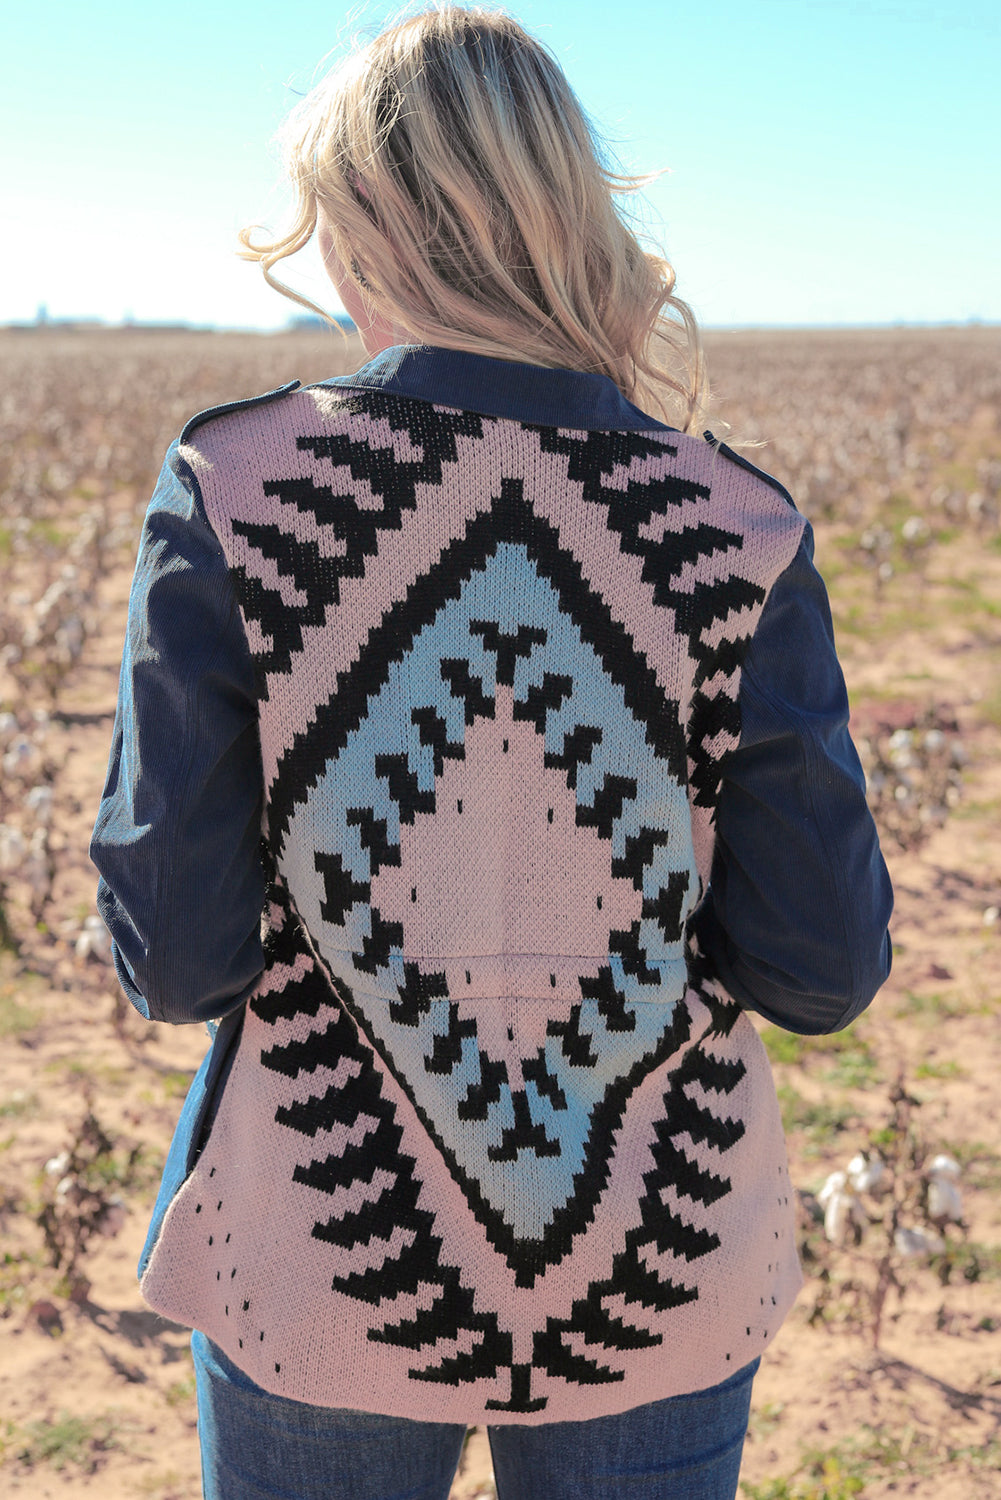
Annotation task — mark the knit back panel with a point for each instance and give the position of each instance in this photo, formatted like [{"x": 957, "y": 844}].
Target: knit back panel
[{"x": 491, "y": 1128}]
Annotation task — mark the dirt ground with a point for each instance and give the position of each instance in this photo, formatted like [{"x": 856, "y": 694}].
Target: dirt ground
[{"x": 891, "y": 444}]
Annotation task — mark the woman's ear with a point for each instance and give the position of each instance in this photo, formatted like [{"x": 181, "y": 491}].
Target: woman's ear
[
  {"x": 358, "y": 185},
  {"x": 375, "y": 331}
]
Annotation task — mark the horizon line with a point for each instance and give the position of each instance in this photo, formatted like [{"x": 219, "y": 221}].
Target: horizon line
[{"x": 312, "y": 324}]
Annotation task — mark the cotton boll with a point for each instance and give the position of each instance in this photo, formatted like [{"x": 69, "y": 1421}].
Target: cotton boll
[
  {"x": 13, "y": 848},
  {"x": 39, "y": 801},
  {"x": 865, "y": 1176},
  {"x": 94, "y": 939},
  {"x": 113, "y": 1218},
  {"x": 945, "y": 1203},
  {"x": 913, "y": 1243},
  {"x": 915, "y": 529},
  {"x": 842, "y": 1209},
  {"x": 36, "y": 869},
  {"x": 23, "y": 758},
  {"x": 69, "y": 637},
  {"x": 836, "y": 1183}
]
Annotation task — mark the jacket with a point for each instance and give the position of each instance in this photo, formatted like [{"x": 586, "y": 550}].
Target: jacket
[{"x": 536, "y": 704}]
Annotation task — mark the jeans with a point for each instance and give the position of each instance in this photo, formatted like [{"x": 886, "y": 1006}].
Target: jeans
[{"x": 256, "y": 1446}]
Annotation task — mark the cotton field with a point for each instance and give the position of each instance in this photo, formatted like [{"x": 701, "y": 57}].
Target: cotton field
[{"x": 886, "y": 1380}]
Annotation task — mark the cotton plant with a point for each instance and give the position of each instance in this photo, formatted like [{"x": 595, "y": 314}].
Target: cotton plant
[
  {"x": 82, "y": 1196},
  {"x": 893, "y": 1205},
  {"x": 25, "y": 855},
  {"x": 27, "y": 806},
  {"x": 914, "y": 778},
  {"x": 846, "y": 1214},
  {"x": 842, "y": 1194},
  {"x": 56, "y": 629}
]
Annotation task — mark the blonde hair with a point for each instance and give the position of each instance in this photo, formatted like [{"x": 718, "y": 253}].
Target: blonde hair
[{"x": 460, "y": 182}]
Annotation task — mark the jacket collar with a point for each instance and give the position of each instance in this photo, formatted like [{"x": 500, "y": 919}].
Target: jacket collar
[{"x": 501, "y": 388}]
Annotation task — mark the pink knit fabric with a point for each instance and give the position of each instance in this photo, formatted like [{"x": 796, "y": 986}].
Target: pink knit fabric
[{"x": 495, "y": 1146}]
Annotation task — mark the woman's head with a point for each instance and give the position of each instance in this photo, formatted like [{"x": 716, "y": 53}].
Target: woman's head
[{"x": 460, "y": 200}]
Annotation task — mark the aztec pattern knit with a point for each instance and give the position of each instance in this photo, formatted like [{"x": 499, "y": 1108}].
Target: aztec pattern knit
[{"x": 495, "y": 1146}]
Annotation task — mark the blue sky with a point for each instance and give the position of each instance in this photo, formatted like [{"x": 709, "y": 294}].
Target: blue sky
[{"x": 830, "y": 161}]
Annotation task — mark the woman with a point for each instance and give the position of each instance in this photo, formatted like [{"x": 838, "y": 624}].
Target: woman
[{"x": 535, "y": 699}]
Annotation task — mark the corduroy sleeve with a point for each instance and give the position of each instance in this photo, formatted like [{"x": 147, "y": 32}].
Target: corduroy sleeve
[
  {"x": 795, "y": 922},
  {"x": 177, "y": 836}
]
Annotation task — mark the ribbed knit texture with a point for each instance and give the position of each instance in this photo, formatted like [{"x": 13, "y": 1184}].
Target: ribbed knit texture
[{"x": 495, "y": 1146}]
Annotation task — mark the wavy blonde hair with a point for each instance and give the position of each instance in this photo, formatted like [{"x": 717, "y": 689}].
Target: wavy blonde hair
[{"x": 462, "y": 185}]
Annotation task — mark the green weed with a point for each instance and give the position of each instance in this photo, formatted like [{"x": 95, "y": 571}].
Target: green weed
[
  {"x": 818, "y": 1121},
  {"x": 988, "y": 807},
  {"x": 930, "y": 1007},
  {"x": 18, "y": 1105},
  {"x": 48, "y": 534},
  {"x": 981, "y": 1164},
  {"x": 989, "y": 709},
  {"x": 110, "y": 1078},
  {"x": 854, "y": 1067},
  {"x": 17, "y": 1269},
  {"x": 852, "y": 1063},
  {"x": 970, "y": 1262},
  {"x": 933, "y": 1069},
  {"x": 68, "y": 1442},
  {"x": 765, "y": 1419},
  {"x": 830, "y": 1486},
  {"x": 843, "y": 1471},
  {"x": 16, "y": 1018},
  {"x": 18, "y": 1015},
  {"x": 181, "y": 1393},
  {"x": 166, "y": 1486},
  {"x": 987, "y": 1457},
  {"x": 176, "y": 1083}
]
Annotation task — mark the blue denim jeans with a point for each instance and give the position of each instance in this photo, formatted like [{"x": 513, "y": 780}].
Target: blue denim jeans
[{"x": 256, "y": 1446}]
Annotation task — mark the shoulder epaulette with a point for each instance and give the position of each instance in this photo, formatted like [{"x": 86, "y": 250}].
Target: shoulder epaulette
[
  {"x": 743, "y": 463},
  {"x": 230, "y": 406}
]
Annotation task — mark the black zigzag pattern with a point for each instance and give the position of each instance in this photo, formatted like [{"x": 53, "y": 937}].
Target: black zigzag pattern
[
  {"x": 281, "y": 623},
  {"x": 696, "y": 608},
  {"x": 662, "y": 1229},
  {"x": 509, "y": 519},
  {"x": 416, "y": 1267},
  {"x": 358, "y": 526},
  {"x": 530, "y": 1258}
]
